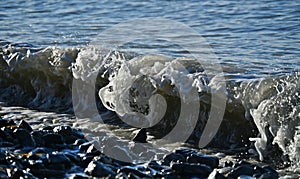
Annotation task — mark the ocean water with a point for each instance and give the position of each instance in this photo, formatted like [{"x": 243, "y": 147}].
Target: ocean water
[{"x": 50, "y": 62}]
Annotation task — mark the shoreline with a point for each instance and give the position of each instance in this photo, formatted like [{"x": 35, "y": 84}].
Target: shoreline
[{"x": 68, "y": 150}]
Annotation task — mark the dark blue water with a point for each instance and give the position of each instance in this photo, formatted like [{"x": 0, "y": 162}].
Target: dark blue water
[{"x": 262, "y": 36}]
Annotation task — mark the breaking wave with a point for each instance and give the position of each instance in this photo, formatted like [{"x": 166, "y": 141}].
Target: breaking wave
[{"x": 264, "y": 112}]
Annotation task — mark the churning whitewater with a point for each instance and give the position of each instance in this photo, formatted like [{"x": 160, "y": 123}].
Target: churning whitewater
[{"x": 145, "y": 91}]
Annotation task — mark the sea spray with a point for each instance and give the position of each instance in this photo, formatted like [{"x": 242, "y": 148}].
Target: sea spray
[{"x": 278, "y": 114}]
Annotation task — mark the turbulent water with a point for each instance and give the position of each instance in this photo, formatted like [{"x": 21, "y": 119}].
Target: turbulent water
[{"x": 257, "y": 45}]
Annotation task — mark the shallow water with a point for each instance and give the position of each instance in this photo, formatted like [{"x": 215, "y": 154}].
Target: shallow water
[
  {"x": 51, "y": 45},
  {"x": 263, "y": 35}
]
